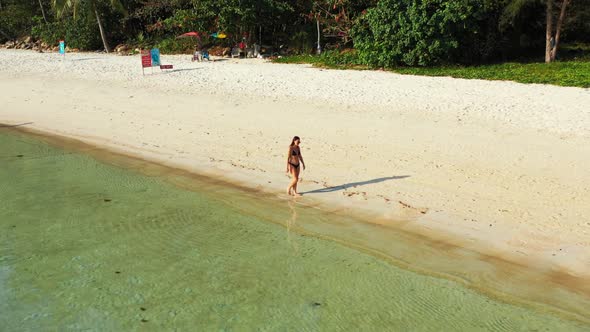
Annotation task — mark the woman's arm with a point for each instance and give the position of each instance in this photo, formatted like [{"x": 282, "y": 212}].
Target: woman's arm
[
  {"x": 288, "y": 156},
  {"x": 301, "y": 159}
]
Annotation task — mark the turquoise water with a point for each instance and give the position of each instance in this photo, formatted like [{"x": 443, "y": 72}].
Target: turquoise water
[{"x": 86, "y": 245}]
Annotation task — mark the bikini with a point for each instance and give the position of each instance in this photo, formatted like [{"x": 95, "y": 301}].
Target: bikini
[{"x": 293, "y": 153}]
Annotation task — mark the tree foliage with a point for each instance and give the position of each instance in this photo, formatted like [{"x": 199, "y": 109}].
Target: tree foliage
[
  {"x": 421, "y": 32},
  {"x": 15, "y": 18},
  {"x": 384, "y": 32}
]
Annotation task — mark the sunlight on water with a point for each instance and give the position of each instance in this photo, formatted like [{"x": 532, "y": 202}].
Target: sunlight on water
[{"x": 90, "y": 246}]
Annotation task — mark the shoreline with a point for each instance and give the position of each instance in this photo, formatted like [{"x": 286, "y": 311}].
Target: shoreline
[
  {"x": 505, "y": 279},
  {"x": 436, "y": 255},
  {"x": 415, "y": 153}
]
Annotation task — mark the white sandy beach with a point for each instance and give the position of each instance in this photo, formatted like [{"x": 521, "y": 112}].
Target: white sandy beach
[{"x": 500, "y": 165}]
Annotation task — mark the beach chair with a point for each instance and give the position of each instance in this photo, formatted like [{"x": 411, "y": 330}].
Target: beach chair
[
  {"x": 249, "y": 53},
  {"x": 205, "y": 55},
  {"x": 235, "y": 52},
  {"x": 256, "y": 50}
]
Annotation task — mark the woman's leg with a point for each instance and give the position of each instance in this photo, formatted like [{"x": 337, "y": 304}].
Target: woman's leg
[
  {"x": 295, "y": 180},
  {"x": 291, "y": 170}
]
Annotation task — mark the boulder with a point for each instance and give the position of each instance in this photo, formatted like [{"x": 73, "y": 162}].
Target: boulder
[{"x": 122, "y": 49}]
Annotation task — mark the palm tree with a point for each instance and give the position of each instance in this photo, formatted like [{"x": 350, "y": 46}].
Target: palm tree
[
  {"x": 43, "y": 11},
  {"x": 91, "y": 7}
]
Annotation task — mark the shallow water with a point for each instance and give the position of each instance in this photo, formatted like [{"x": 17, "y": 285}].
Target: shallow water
[{"x": 86, "y": 245}]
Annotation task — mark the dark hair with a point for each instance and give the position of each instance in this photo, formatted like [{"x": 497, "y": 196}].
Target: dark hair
[{"x": 296, "y": 138}]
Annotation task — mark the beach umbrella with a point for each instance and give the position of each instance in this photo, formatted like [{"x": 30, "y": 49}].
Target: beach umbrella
[
  {"x": 190, "y": 34},
  {"x": 219, "y": 35}
]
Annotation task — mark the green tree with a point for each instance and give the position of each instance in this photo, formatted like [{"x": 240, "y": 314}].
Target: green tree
[
  {"x": 420, "y": 32},
  {"x": 92, "y": 9},
  {"x": 15, "y": 18},
  {"x": 337, "y": 17}
]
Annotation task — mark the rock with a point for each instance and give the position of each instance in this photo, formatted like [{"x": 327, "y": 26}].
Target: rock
[{"x": 122, "y": 49}]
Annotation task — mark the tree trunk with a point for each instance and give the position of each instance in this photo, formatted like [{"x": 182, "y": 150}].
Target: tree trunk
[
  {"x": 558, "y": 28},
  {"x": 319, "y": 47},
  {"x": 548, "y": 31},
  {"x": 102, "y": 35},
  {"x": 43, "y": 11}
]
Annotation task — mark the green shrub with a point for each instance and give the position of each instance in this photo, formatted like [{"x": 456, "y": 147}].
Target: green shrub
[
  {"x": 174, "y": 46},
  {"x": 78, "y": 33},
  {"x": 419, "y": 32},
  {"x": 343, "y": 58}
]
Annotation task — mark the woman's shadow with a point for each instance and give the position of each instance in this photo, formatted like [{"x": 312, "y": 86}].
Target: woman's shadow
[{"x": 354, "y": 184}]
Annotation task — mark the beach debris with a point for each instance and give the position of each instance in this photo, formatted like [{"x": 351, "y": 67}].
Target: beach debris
[
  {"x": 408, "y": 206},
  {"x": 384, "y": 198}
]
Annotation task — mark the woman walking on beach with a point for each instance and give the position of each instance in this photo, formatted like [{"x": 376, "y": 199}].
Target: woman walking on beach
[{"x": 293, "y": 162}]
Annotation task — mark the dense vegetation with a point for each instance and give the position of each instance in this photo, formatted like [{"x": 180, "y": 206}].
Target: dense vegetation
[
  {"x": 571, "y": 72},
  {"x": 382, "y": 33}
]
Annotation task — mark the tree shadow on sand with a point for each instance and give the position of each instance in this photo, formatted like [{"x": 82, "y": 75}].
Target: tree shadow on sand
[{"x": 354, "y": 184}]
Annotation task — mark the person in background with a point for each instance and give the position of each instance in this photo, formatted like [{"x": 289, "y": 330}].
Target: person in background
[
  {"x": 197, "y": 56},
  {"x": 242, "y": 45}
]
